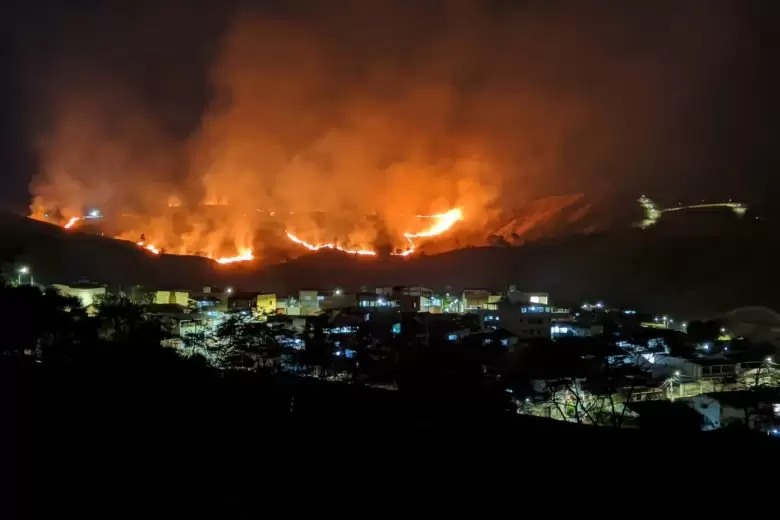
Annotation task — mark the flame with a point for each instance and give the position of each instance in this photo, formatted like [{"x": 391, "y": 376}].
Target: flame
[
  {"x": 364, "y": 252},
  {"x": 148, "y": 247},
  {"x": 444, "y": 221},
  {"x": 245, "y": 256},
  {"x": 71, "y": 222}
]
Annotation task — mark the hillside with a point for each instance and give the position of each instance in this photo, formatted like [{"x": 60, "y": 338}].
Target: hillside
[{"x": 663, "y": 268}]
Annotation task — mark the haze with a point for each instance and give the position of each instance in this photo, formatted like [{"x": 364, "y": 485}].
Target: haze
[{"x": 347, "y": 119}]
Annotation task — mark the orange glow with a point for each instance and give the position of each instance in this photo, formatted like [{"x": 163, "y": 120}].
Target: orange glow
[
  {"x": 312, "y": 247},
  {"x": 444, "y": 221},
  {"x": 72, "y": 222},
  {"x": 148, "y": 247},
  {"x": 245, "y": 256}
]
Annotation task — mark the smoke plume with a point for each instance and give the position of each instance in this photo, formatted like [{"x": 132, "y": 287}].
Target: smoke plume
[{"x": 343, "y": 123}]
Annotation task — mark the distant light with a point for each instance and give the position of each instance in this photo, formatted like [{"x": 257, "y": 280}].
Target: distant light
[
  {"x": 656, "y": 318},
  {"x": 677, "y": 373},
  {"x": 722, "y": 330},
  {"x": 381, "y": 301},
  {"x": 229, "y": 290},
  {"x": 599, "y": 305},
  {"x": 666, "y": 318},
  {"x": 671, "y": 321},
  {"x": 24, "y": 269},
  {"x": 338, "y": 292},
  {"x": 94, "y": 213},
  {"x": 769, "y": 359}
]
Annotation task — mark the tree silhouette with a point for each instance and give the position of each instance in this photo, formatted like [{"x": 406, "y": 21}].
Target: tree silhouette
[{"x": 242, "y": 336}]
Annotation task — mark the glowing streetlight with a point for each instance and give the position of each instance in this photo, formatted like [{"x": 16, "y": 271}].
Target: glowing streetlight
[
  {"x": 229, "y": 290},
  {"x": 23, "y": 270},
  {"x": 337, "y": 292}
]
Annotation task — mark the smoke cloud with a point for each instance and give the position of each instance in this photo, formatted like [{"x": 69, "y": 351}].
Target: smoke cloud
[{"x": 344, "y": 123}]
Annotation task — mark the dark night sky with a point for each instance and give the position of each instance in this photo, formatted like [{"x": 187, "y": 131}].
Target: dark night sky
[{"x": 163, "y": 53}]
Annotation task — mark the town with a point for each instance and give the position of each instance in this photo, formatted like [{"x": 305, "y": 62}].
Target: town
[{"x": 589, "y": 364}]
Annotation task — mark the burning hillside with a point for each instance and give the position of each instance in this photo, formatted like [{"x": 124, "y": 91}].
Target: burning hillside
[
  {"x": 437, "y": 225},
  {"x": 371, "y": 128}
]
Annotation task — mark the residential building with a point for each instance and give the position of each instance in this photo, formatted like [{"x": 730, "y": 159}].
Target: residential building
[
  {"x": 266, "y": 303},
  {"x": 376, "y": 301},
  {"x": 338, "y": 300},
  {"x": 527, "y": 298},
  {"x": 288, "y": 306},
  {"x": 208, "y": 305},
  {"x": 479, "y": 299},
  {"x": 243, "y": 301},
  {"x": 88, "y": 293},
  {"x": 309, "y": 300},
  {"x": 178, "y": 297},
  {"x": 754, "y": 410}
]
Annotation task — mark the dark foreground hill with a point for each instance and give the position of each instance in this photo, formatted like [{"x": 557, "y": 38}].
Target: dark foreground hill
[
  {"x": 663, "y": 268},
  {"x": 159, "y": 436}
]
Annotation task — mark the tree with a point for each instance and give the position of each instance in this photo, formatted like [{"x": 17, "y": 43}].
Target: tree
[
  {"x": 120, "y": 318},
  {"x": 37, "y": 320},
  {"x": 242, "y": 336},
  {"x": 703, "y": 331},
  {"x": 318, "y": 353}
]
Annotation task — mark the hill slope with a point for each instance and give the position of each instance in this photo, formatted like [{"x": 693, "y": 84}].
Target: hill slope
[{"x": 662, "y": 268}]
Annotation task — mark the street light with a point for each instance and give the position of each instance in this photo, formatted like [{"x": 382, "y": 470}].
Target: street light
[
  {"x": 23, "y": 270},
  {"x": 229, "y": 290}
]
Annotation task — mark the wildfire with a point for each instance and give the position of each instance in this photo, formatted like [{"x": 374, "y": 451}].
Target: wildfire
[
  {"x": 312, "y": 247},
  {"x": 148, "y": 247},
  {"x": 245, "y": 256},
  {"x": 72, "y": 222},
  {"x": 444, "y": 221}
]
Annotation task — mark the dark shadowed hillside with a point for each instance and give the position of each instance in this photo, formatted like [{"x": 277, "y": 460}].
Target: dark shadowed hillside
[{"x": 666, "y": 267}]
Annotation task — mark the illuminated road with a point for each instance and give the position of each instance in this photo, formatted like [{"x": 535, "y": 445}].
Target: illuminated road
[{"x": 653, "y": 213}]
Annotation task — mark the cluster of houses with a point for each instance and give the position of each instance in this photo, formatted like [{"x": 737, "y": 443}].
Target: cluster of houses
[
  {"x": 508, "y": 316},
  {"x": 707, "y": 382}
]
